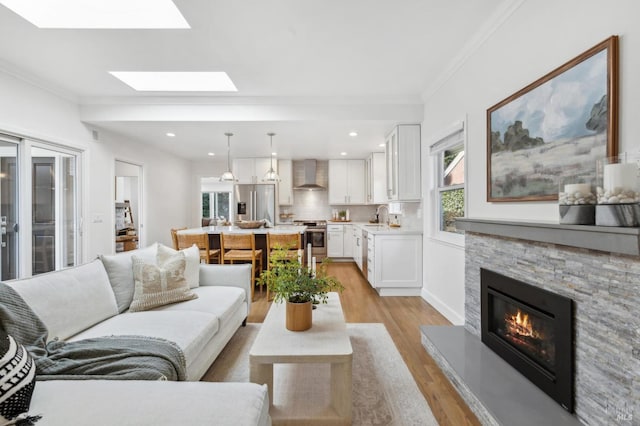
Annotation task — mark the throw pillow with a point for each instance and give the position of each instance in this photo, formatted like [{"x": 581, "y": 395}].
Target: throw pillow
[
  {"x": 192, "y": 256},
  {"x": 120, "y": 271},
  {"x": 17, "y": 380},
  {"x": 158, "y": 285}
]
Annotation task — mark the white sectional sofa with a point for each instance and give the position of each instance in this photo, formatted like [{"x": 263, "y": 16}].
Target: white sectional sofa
[{"x": 87, "y": 301}]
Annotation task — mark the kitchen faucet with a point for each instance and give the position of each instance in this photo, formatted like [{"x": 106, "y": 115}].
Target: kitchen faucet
[{"x": 378, "y": 212}]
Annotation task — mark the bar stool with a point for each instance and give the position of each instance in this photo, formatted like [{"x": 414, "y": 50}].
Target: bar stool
[
  {"x": 290, "y": 242},
  {"x": 202, "y": 241},
  {"x": 241, "y": 247},
  {"x": 174, "y": 237}
]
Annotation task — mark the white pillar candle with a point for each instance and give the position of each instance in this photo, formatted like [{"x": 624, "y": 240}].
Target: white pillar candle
[
  {"x": 583, "y": 188},
  {"x": 624, "y": 176},
  {"x": 313, "y": 267}
]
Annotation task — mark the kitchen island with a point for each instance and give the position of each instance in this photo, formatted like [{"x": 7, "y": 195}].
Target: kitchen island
[{"x": 260, "y": 233}]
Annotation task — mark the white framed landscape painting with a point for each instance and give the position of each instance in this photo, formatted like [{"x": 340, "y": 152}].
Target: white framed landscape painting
[{"x": 566, "y": 120}]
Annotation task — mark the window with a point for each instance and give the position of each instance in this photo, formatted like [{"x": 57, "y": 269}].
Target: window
[
  {"x": 40, "y": 209},
  {"x": 448, "y": 159},
  {"x": 216, "y": 198},
  {"x": 215, "y": 204}
]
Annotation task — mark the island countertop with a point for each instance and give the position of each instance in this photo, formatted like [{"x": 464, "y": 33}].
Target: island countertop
[{"x": 216, "y": 230}]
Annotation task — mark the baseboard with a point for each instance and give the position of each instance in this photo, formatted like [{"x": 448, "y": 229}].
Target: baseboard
[
  {"x": 442, "y": 307},
  {"x": 401, "y": 291}
]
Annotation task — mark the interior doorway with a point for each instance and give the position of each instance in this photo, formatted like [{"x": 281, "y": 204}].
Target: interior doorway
[{"x": 129, "y": 228}]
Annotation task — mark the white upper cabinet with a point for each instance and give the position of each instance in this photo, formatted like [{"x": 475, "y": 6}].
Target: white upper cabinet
[
  {"x": 346, "y": 182},
  {"x": 252, "y": 170},
  {"x": 376, "y": 175},
  {"x": 403, "y": 163},
  {"x": 285, "y": 187}
]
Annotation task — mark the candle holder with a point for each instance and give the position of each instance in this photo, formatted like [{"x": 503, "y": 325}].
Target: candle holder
[
  {"x": 576, "y": 199},
  {"x": 618, "y": 191}
]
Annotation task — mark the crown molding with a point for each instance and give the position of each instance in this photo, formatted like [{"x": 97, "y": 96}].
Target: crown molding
[
  {"x": 22, "y": 75},
  {"x": 492, "y": 24}
]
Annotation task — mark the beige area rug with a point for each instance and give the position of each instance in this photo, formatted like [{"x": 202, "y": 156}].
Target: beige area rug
[{"x": 384, "y": 392}]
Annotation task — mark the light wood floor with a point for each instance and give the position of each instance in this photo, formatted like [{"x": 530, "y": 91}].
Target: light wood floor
[{"x": 402, "y": 316}]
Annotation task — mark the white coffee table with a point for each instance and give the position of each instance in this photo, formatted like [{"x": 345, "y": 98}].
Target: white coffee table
[{"x": 326, "y": 342}]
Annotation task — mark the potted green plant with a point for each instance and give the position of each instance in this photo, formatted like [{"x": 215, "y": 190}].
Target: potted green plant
[{"x": 292, "y": 283}]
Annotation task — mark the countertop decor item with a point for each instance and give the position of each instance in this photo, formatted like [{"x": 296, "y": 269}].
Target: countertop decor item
[
  {"x": 249, "y": 224},
  {"x": 298, "y": 285}
]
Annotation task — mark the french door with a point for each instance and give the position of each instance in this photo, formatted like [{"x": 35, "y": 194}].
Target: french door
[{"x": 39, "y": 207}]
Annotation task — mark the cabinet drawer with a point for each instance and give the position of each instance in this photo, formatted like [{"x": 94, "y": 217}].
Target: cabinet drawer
[{"x": 338, "y": 228}]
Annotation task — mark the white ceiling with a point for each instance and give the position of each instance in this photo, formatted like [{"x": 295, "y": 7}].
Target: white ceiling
[{"x": 309, "y": 71}]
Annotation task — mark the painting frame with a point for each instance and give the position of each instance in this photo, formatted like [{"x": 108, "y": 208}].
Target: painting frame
[{"x": 498, "y": 161}]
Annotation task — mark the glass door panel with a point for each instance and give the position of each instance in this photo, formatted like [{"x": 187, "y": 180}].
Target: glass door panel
[
  {"x": 8, "y": 211},
  {"x": 54, "y": 210}
]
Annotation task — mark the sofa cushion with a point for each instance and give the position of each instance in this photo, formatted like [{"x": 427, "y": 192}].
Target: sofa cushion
[
  {"x": 191, "y": 331},
  {"x": 17, "y": 378},
  {"x": 139, "y": 403},
  {"x": 119, "y": 268},
  {"x": 161, "y": 284},
  {"x": 70, "y": 300},
  {"x": 192, "y": 256},
  {"x": 222, "y": 302}
]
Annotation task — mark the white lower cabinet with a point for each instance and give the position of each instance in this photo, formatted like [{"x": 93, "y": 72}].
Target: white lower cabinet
[
  {"x": 394, "y": 264},
  {"x": 335, "y": 240},
  {"x": 356, "y": 240},
  {"x": 347, "y": 240}
]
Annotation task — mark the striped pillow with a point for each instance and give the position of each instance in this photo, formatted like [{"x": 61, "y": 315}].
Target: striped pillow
[
  {"x": 17, "y": 378},
  {"x": 158, "y": 285}
]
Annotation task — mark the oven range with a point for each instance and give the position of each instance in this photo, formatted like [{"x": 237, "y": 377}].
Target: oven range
[{"x": 316, "y": 235}]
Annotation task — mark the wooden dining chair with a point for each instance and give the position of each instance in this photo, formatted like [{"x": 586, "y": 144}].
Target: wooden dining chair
[
  {"x": 290, "y": 242},
  {"x": 174, "y": 237},
  {"x": 201, "y": 240},
  {"x": 242, "y": 248}
]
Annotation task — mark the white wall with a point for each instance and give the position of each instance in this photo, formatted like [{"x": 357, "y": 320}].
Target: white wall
[
  {"x": 30, "y": 111},
  {"x": 538, "y": 37}
]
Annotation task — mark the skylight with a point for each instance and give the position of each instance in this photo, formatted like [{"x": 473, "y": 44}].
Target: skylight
[
  {"x": 85, "y": 14},
  {"x": 177, "y": 81}
]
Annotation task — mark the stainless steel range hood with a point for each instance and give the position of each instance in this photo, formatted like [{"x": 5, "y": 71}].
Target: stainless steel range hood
[{"x": 310, "y": 183}]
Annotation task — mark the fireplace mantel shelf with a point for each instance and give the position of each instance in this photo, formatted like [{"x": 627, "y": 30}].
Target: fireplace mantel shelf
[{"x": 601, "y": 238}]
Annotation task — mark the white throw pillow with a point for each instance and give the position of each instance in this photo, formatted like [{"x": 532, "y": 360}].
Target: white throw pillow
[
  {"x": 120, "y": 271},
  {"x": 192, "y": 256},
  {"x": 161, "y": 284}
]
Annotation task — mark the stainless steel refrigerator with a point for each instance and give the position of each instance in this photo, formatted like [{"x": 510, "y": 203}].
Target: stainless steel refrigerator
[{"x": 255, "y": 202}]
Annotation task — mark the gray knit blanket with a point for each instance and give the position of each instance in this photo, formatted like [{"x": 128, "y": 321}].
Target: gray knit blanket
[{"x": 113, "y": 357}]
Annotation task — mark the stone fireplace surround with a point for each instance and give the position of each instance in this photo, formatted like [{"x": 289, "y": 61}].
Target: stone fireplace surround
[{"x": 599, "y": 268}]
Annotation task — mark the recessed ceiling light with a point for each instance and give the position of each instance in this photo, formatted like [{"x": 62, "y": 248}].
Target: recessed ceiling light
[
  {"x": 274, "y": 153},
  {"x": 167, "y": 81},
  {"x": 343, "y": 153},
  {"x": 105, "y": 14},
  {"x": 353, "y": 134},
  {"x": 211, "y": 154},
  {"x": 171, "y": 135},
  {"x": 382, "y": 145}
]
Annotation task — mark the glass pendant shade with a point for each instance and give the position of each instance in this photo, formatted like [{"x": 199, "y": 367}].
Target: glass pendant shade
[
  {"x": 271, "y": 175},
  {"x": 228, "y": 176}
]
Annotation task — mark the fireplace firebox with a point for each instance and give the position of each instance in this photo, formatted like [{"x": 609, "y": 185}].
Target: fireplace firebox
[{"x": 532, "y": 329}]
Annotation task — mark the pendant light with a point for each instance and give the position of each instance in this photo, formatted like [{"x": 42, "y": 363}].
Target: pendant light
[
  {"x": 271, "y": 175},
  {"x": 228, "y": 176}
]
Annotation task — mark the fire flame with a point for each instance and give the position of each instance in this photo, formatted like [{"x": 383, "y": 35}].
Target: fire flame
[{"x": 520, "y": 324}]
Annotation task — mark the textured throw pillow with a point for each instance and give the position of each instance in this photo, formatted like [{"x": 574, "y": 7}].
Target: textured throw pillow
[
  {"x": 158, "y": 285},
  {"x": 192, "y": 256},
  {"x": 17, "y": 379},
  {"x": 120, "y": 272}
]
